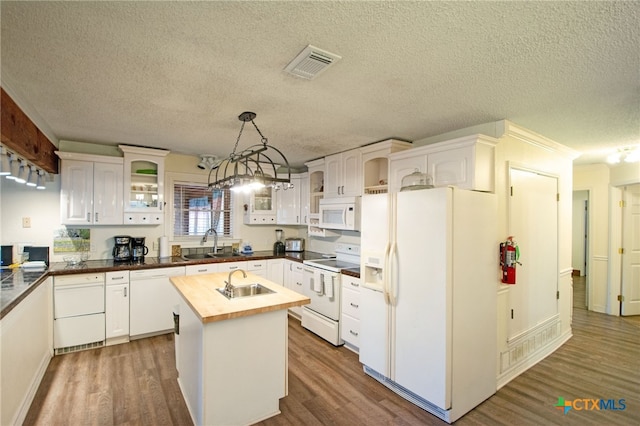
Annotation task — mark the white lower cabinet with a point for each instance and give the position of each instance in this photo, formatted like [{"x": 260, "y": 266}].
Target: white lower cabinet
[
  {"x": 350, "y": 314},
  {"x": 26, "y": 339},
  {"x": 275, "y": 271},
  {"x": 153, "y": 300},
  {"x": 293, "y": 281},
  {"x": 117, "y": 307}
]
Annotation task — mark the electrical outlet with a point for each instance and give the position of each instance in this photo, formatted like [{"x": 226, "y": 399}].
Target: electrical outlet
[{"x": 26, "y": 222}]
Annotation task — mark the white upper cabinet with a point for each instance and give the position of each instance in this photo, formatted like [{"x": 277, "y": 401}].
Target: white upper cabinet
[
  {"x": 288, "y": 203},
  {"x": 144, "y": 184},
  {"x": 91, "y": 191},
  {"x": 466, "y": 162},
  {"x": 375, "y": 164},
  {"x": 343, "y": 174},
  {"x": 260, "y": 207}
]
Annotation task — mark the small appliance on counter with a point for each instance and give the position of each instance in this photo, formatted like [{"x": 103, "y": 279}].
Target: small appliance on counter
[
  {"x": 294, "y": 244},
  {"x": 38, "y": 257},
  {"x": 278, "y": 246},
  {"x": 138, "y": 249},
  {"x": 6, "y": 257},
  {"x": 122, "y": 248},
  {"x": 246, "y": 248}
]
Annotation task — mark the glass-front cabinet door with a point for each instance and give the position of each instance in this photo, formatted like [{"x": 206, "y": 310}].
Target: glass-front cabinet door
[{"x": 143, "y": 184}]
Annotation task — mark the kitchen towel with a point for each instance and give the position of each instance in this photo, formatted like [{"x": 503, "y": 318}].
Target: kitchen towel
[
  {"x": 164, "y": 247},
  {"x": 328, "y": 289},
  {"x": 316, "y": 284}
]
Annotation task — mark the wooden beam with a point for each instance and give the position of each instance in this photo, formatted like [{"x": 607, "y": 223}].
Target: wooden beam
[{"x": 20, "y": 135}]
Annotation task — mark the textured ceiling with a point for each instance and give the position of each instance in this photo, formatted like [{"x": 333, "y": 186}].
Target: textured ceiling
[{"x": 176, "y": 75}]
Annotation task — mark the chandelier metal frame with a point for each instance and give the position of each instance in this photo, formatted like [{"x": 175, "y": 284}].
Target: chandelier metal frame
[{"x": 254, "y": 167}]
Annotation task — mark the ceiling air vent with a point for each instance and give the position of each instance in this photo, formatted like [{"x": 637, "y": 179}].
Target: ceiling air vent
[{"x": 311, "y": 62}]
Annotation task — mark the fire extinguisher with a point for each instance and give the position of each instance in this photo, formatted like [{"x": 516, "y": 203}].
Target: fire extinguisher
[{"x": 509, "y": 255}]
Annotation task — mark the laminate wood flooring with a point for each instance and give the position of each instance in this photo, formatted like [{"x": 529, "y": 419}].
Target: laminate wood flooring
[{"x": 136, "y": 384}]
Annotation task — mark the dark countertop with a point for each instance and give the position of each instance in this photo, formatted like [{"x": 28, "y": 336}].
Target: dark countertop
[{"x": 18, "y": 283}]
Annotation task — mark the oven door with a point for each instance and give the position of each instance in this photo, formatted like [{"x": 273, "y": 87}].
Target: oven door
[{"x": 323, "y": 288}]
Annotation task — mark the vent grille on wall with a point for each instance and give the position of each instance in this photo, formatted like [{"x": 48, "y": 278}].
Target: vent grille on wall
[{"x": 311, "y": 62}]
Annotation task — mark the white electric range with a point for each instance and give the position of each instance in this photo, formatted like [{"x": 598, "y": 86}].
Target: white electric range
[{"x": 321, "y": 283}]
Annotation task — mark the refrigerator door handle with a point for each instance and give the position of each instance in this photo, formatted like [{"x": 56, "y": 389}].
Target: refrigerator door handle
[
  {"x": 393, "y": 275},
  {"x": 385, "y": 274}
]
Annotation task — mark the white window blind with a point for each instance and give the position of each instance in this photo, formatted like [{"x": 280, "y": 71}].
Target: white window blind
[{"x": 197, "y": 209}]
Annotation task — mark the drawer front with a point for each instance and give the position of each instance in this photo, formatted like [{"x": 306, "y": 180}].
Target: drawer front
[
  {"x": 351, "y": 283},
  {"x": 256, "y": 265},
  {"x": 350, "y": 330},
  {"x": 207, "y": 268},
  {"x": 117, "y": 277},
  {"x": 350, "y": 302}
]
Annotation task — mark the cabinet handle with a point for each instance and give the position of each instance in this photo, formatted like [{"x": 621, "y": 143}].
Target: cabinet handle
[
  {"x": 298, "y": 283},
  {"x": 89, "y": 217},
  {"x": 96, "y": 217},
  {"x": 125, "y": 292},
  {"x": 353, "y": 332},
  {"x": 354, "y": 284},
  {"x": 117, "y": 278},
  {"x": 202, "y": 270},
  {"x": 354, "y": 305}
]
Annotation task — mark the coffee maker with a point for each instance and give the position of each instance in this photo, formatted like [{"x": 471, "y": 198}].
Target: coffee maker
[
  {"x": 138, "y": 249},
  {"x": 278, "y": 246},
  {"x": 122, "y": 248}
]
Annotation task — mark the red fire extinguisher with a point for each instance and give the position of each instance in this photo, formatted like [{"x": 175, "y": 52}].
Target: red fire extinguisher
[{"x": 509, "y": 255}]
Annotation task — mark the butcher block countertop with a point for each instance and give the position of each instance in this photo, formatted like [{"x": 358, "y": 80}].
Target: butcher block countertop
[{"x": 199, "y": 291}]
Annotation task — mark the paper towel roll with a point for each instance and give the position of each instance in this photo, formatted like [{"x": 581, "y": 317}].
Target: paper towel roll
[{"x": 164, "y": 247}]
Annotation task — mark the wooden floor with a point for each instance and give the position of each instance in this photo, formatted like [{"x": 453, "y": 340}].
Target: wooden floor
[{"x": 136, "y": 384}]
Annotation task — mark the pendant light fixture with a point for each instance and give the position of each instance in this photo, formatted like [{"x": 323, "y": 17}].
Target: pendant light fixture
[
  {"x": 253, "y": 168},
  {"x": 33, "y": 176},
  {"x": 23, "y": 172},
  {"x": 5, "y": 163},
  {"x": 14, "y": 167},
  {"x": 41, "y": 176}
]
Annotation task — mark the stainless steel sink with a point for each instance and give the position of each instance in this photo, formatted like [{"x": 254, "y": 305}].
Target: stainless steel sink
[
  {"x": 246, "y": 290},
  {"x": 198, "y": 256},
  {"x": 210, "y": 255}
]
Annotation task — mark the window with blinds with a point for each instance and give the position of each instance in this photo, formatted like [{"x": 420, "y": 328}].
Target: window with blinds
[{"x": 197, "y": 209}]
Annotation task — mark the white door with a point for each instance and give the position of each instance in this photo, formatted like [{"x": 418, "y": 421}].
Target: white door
[
  {"x": 631, "y": 255},
  {"x": 533, "y": 222},
  {"x": 351, "y": 174},
  {"x": 108, "y": 194},
  {"x": 374, "y": 331},
  {"x": 421, "y": 336},
  {"x": 76, "y": 189},
  {"x": 117, "y": 310},
  {"x": 332, "y": 175}
]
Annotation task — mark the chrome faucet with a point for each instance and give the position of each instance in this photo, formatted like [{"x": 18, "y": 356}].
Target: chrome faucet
[
  {"x": 228, "y": 287},
  {"x": 215, "y": 239}
]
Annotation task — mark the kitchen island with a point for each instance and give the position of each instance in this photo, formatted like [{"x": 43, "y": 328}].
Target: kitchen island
[{"x": 231, "y": 354}]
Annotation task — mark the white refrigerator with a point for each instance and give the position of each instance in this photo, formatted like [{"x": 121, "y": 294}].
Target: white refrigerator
[{"x": 429, "y": 295}]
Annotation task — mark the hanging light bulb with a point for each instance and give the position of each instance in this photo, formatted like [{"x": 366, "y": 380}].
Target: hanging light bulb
[
  {"x": 33, "y": 176},
  {"x": 22, "y": 172},
  {"x": 41, "y": 176},
  {"x": 5, "y": 164}
]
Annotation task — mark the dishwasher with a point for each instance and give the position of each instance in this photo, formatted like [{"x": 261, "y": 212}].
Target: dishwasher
[
  {"x": 79, "y": 312},
  {"x": 152, "y": 301}
]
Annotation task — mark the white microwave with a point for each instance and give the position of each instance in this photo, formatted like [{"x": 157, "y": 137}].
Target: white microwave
[{"x": 340, "y": 213}]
